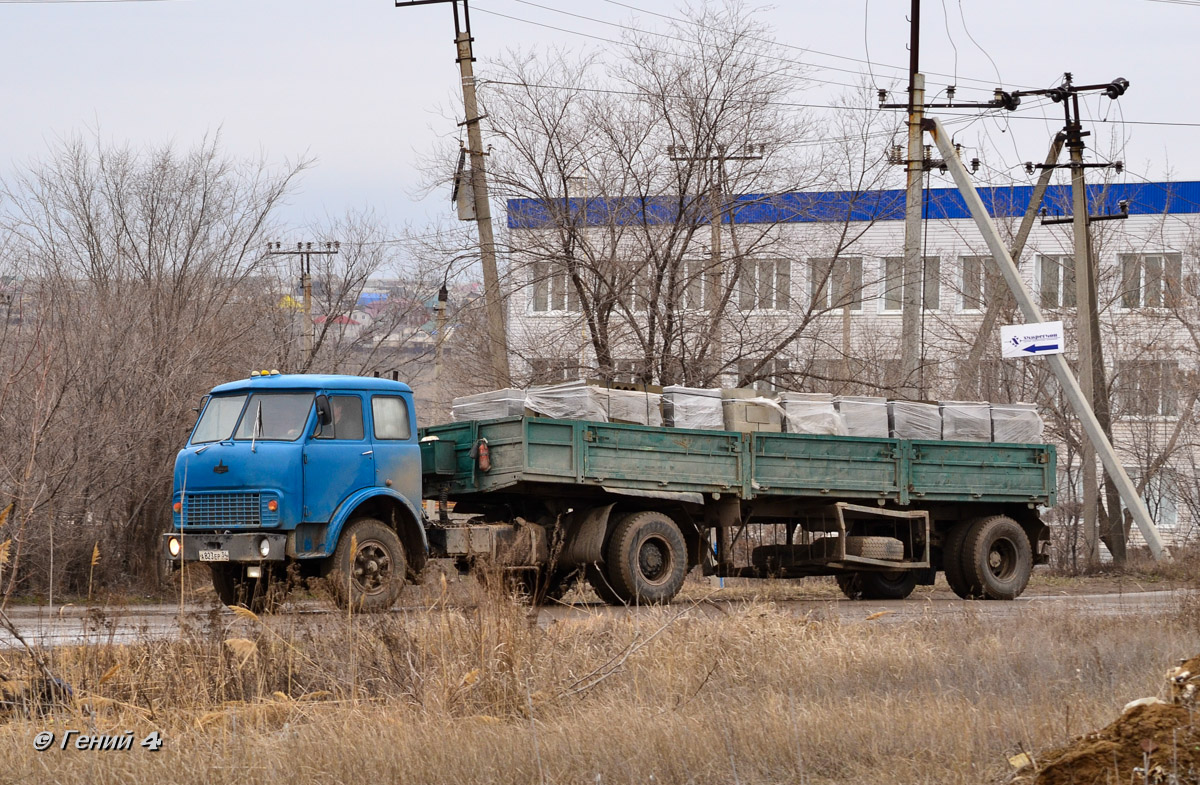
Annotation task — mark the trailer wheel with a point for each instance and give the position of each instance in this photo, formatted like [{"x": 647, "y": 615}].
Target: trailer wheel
[
  {"x": 952, "y": 559},
  {"x": 260, "y": 595},
  {"x": 369, "y": 577},
  {"x": 997, "y": 558},
  {"x": 878, "y": 585},
  {"x": 647, "y": 558}
]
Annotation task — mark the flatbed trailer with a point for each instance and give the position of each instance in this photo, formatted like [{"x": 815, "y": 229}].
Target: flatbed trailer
[{"x": 563, "y": 496}]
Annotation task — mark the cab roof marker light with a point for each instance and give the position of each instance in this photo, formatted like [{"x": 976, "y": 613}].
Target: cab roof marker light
[
  {"x": 275, "y": 372},
  {"x": 254, "y": 374}
]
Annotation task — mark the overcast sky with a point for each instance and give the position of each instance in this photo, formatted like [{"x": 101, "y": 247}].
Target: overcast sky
[{"x": 367, "y": 89}]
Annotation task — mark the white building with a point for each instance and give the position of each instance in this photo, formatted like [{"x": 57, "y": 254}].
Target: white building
[{"x": 810, "y": 291}]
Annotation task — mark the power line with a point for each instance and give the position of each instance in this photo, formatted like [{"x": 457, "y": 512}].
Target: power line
[
  {"x": 817, "y": 51},
  {"x": 78, "y": 2},
  {"x": 592, "y": 36}
]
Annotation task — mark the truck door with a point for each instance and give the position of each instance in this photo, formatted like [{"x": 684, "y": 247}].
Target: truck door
[
  {"x": 397, "y": 454},
  {"x": 338, "y": 458}
]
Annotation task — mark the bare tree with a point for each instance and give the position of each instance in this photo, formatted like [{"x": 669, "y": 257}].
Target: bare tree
[{"x": 141, "y": 284}]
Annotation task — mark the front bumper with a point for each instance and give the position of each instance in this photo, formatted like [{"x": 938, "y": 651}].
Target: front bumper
[{"x": 242, "y": 547}]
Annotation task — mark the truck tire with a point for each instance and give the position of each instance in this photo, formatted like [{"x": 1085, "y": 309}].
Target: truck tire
[
  {"x": 887, "y": 548},
  {"x": 895, "y": 585},
  {"x": 370, "y": 578},
  {"x": 259, "y": 595},
  {"x": 997, "y": 558},
  {"x": 952, "y": 559},
  {"x": 647, "y": 558}
]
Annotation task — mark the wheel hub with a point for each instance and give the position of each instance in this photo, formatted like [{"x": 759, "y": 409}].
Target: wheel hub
[
  {"x": 371, "y": 567},
  {"x": 654, "y": 560}
]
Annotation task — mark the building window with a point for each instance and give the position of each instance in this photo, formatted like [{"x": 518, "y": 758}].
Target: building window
[
  {"x": 765, "y": 284},
  {"x": 893, "y": 283},
  {"x": 1146, "y": 388},
  {"x": 553, "y": 370},
  {"x": 1056, "y": 281},
  {"x": 701, "y": 285},
  {"x": 980, "y": 279},
  {"x": 1150, "y": 280},
  {"x": 1162, "y": 499},
  {"x": 771, "y": 376},
  {"x": 552, "y": 289},
  {"x": 836, "y": 283}
]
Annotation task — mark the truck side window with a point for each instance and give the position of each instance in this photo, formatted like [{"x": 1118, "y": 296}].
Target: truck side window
[
  {"x": 347, "y": 419},
  {"x": 391, "y": 417}
]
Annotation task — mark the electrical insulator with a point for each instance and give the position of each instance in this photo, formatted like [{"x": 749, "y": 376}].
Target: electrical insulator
[
  {"x": 883, "y": 94},
  {"x": 1029, "y": 167},
  {"x": 1117, "y": 88},
  {"x": 1119, "y": 166},
  {"x": 975, "y": 163}
]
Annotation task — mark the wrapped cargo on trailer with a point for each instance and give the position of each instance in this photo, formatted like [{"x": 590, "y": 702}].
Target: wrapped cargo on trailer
[
  {"x": 566, "y": 401},
  {"x": 864, "y": 415},
  {"x": 693, "y": 407},
  {"x": 1018, "y": 423},
  {"x": 749, "y": 412},
  {"x": 491, "y": 405},
  {"x": 812, "y": 413},
  {"x": 966, "y": 421},
  {"x": 914, "y": 420}
]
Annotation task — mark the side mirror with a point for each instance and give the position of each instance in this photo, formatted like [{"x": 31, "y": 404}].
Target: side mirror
[{"x": 324, "y": 415}]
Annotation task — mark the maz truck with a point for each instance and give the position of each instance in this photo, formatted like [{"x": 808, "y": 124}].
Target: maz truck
[{"x": 328, "y": 475}]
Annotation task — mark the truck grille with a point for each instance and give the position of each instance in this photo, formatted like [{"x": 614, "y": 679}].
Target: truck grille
[{"x": 220, "y": 510}]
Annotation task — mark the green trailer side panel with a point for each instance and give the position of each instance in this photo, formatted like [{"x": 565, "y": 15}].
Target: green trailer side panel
[
  {"x": 836, "y": 466},
  {"x": 541, "y": 451},
  {"x": 671, "y": 459},
  {"x": 982, "y": 471}
]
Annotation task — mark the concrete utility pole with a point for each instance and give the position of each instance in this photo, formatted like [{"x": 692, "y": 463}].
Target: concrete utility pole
[
  {"x": 912, "y": 287},
  {"x": 493, "y": 295},
  {"x": 1085, "y": 340},
  {"x": 1058, "y": 363},
  {"x": 305, "y": 252}
]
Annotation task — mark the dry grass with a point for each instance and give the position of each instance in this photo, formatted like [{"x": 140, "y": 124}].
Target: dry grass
[{"x": 751, "y": 694}]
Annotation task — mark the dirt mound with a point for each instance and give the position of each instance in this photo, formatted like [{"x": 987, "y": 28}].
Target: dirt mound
[{"x": 1161, "y": 740}]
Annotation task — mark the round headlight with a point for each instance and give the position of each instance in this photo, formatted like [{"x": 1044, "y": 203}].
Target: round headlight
[
  {"x": 264, "y": 547},
  {"x": 173, "y": 546}
]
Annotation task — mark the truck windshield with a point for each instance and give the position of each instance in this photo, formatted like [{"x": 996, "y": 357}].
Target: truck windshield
[
  {"x": 277, "y": 416},
  {"x": 218, "y": 419}
]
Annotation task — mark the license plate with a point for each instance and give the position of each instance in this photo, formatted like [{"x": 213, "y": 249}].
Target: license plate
[{"x": 208, "y": 555}]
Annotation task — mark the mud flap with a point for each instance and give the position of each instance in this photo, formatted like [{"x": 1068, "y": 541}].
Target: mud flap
[{"x": 583, "y": 533}]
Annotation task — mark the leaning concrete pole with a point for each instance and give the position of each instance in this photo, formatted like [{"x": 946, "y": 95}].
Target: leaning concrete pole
[{"x": 1058, "y": 362}]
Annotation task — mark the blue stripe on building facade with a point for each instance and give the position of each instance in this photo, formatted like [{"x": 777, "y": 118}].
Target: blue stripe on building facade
[{"x": 838, "y": 206}]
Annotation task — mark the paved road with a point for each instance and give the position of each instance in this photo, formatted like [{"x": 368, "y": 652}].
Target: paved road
[{"x": 73, "y": 625}]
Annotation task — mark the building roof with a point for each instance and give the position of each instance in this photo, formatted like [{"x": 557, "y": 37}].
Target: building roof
[{"x": 835, "y": 206}]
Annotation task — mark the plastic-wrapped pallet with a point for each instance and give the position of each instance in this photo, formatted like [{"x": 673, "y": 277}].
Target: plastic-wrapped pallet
[
  {"x": 864, "y": 415},
  {"x": 1016, "y": 422},
  {"x": 914, "y": 420},
  {"x": 966, "y": 421},
  {"x": 489, "y": 405},
  {"x": 693, "y": 407},
  {"x": 566, "y": 401},
  {"x": 749, "y": 412},
  {"x": 812, "y": 413},
  {"x": 629, "y": 406}
]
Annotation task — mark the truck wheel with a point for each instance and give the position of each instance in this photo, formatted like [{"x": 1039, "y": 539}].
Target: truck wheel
[
  {"x": 878, "y": 585},
  {"x": 647, "y": 558},
  {"x": 370, "y": 578},
  {"x": 260, "y": 595},
  {"x": 952, "y": 559},
  {"x": 997, "y": 558},
  {"x": 602, "y": 586}
]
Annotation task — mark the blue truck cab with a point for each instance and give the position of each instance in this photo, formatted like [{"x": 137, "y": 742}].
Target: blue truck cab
[{"x": 319, "y": 471}]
